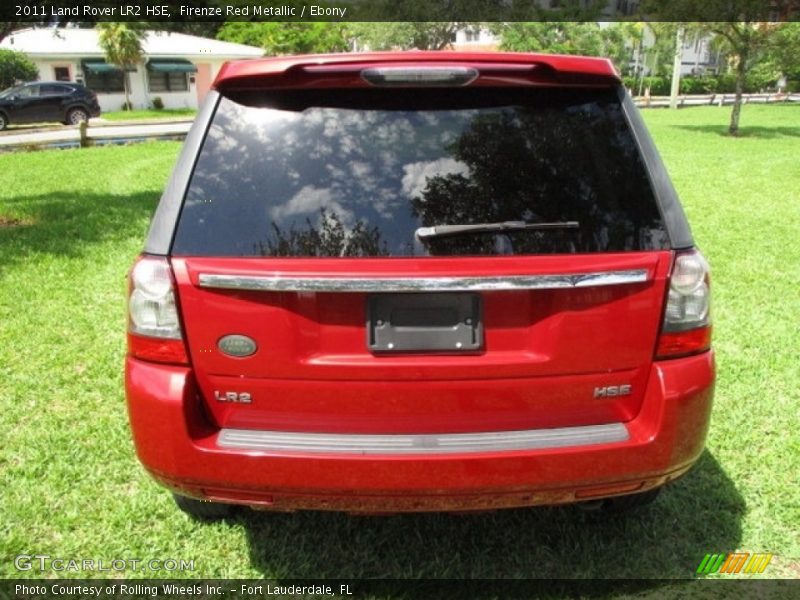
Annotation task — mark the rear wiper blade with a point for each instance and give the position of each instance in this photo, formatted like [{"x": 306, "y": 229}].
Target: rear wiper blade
[{"x": 424, "y": 233}]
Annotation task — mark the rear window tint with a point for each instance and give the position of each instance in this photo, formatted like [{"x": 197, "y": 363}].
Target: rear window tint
[{"x": 355, "y": 173}]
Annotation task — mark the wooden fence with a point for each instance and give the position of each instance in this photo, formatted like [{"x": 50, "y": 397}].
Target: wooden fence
[{"x": 714, "y": 99}]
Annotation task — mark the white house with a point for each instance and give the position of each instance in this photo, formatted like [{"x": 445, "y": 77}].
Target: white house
[
  {"x": 177, "y": 68},
  {"x": 475, "y": 39},
  {"x": 698, "y": 57}
]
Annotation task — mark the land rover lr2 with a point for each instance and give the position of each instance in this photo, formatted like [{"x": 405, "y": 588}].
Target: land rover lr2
[{"x": 415, "y": 282}]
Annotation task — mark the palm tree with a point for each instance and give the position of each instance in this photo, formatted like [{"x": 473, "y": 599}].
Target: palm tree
[{"x": 122, "y": 44}]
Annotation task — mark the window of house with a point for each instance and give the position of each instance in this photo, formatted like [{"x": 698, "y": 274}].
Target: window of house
[
  {"x": 167, "y": 82},
  {"x": 61, "y": 73},
  {"x": 103, "y": 78},
  {"x": 110, "y": 82},
  {"x": 472, "y": 35}
]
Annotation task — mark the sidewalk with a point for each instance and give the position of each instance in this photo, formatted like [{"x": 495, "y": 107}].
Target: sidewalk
[{"x": 98, "y": 130}]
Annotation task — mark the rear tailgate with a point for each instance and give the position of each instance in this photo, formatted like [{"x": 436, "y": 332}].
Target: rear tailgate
[
  {"x": 306, "y": 204},
  {"x": 549, "y": 358}
]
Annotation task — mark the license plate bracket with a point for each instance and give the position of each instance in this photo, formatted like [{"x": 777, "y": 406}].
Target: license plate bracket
[{"x": 425, "y": 322}]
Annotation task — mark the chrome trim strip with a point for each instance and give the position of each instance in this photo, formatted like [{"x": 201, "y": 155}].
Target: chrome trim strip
[
  {"x": 282, "y": 442},
  {"x": 280, "y": 283}
]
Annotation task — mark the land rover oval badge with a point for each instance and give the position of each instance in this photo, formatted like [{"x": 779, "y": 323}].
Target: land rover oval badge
[{"x": 237, "y": 345}]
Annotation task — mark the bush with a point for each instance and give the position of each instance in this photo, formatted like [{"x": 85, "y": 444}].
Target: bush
[
  {"x": 699, "y": 85},
  {"x": 659, "y": 86},
  {"x": 760, "y": 81},
  {"x": 630, "y": 82},
  {"x": 726, "y": 83},
  {"x": 158, "y": 103},
  {"x": 15, "y": 67},
  {"x": 755, "y": 81}
]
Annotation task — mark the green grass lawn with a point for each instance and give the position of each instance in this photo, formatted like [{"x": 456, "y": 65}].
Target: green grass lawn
[
  {"x": 134, "y": 115},
  {"x": 72, "y": 221}
]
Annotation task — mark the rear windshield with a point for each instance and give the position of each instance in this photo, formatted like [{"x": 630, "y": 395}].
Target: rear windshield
[{"x": 356, "y": 173}]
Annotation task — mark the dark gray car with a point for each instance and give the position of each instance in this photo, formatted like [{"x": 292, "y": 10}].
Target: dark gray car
[{"x": 68, "y": 103}]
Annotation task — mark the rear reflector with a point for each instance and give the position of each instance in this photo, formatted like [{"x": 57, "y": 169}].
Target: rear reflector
[
  {"x": 687, "y": 322},
  {"x": 684, "y": 343},
  {"x": 157, "y": 350},
  {"x": 154, "y": 331},
  {"x": 419, "y": 76}
]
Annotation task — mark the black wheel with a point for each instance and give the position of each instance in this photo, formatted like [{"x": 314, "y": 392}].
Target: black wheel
[
  {"x": 3, "y": 121},
  {"x": 77, "y": 115},
  {"x": 202, "y": 509}
]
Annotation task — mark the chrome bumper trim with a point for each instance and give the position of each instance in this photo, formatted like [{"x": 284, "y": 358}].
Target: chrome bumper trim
[
  {"x": 282, "y": 442},
  {"x": 421, "y": 284}
]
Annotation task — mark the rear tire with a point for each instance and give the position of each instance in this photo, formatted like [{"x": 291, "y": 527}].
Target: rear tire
[
  {"x": 76, "y": 116},
  {"x": 203, "y": 510},
  {"x": 3, "y": 121},
  {"x": 631, "y": 501}
]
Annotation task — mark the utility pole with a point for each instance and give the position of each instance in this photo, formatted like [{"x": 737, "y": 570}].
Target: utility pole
[{"x": 676, "y": 69}]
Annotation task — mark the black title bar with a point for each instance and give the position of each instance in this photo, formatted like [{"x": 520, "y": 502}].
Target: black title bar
[{"x": 57, "y": 11}]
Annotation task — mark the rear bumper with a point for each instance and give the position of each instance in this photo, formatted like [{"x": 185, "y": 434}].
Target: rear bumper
[{"x": 177, "y": 444}]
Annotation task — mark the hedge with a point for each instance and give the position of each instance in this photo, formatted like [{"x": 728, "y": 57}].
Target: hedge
[{"x": 722, "y": 84}]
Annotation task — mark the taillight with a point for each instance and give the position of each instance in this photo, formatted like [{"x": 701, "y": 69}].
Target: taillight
[
  {"x": 154, "y": 330},
  {"x": 687, "y": 320}
]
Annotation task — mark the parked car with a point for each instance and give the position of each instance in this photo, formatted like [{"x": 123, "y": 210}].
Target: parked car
[
  {"x": 39, "y": 101},
  {"x": 417, "y": 282}
]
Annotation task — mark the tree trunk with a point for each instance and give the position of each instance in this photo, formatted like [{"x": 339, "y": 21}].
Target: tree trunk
[
  {"x": 126, "y": 82},
  {"x": 741, "y": 71},
  {"x": 675, "y": 86}
]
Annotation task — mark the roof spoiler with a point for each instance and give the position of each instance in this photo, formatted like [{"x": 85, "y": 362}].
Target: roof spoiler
[{"x": 346, "y": 70}]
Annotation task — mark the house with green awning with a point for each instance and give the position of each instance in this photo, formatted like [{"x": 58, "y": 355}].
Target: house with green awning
[{"x": 177, "y": 68}]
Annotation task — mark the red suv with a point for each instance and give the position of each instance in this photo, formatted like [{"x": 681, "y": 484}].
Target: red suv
[{"x": 418, "y": 281}]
